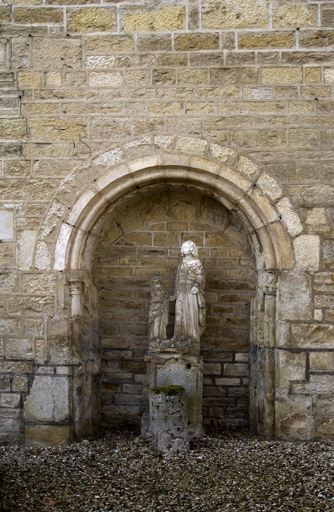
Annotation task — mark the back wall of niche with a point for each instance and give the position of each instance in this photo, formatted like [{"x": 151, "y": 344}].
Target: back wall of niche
[{"x": 142, "y": 237}]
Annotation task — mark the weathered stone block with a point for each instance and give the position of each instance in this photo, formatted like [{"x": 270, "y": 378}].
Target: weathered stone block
[
  {"x": 3, "y": 54},
  {"x": 260, "y": 138},
  {"x": 263, "y": 107},
  {"x": 26, "y": 243},
  {"x": 313, "y": 75},
  {"x": 54, "y": 54},
  {"x": 19, "y": 348},
  {"x": 91, "y": 19},
  {"x": 30, "y": 305},
  {"x": 32, "y": 15},
  {"x": 58, "y": 129},
  {"x": 110, "y": 44},
  {"x": 5, "y": 382},
  {"x": 289, "y": 217},
  {"x": 288, "y": 75},
  {"x": 190, "y": 42},
  {"x": 20, "y": 383},
  {"x": 166, "y": 108},
  {"x": 110, "y": 129},
  {"x": 269, "y": 186},
  {"x": 37, "y": 109},
  {"x": 164, "y": 76},
  {"x": 191, "y": 145},
  {"x": 307, "y": 252},
  {"x": 247, "y": 167},
  {"x": 322, "y": 361},
  {"x": 327, "y": 251},
  {"x": 167, "y": 18},
  {"x": 10, "y": 400},
  {"x": 29, "y": 79},
  {"x": 327, "y": 15},
  {"x": 316, "y": 217},
  {"x": 212, "y": 368},
  {"x": 193, "y": 76},
  {"x": 228, "y": 76},
  {"x": 6, "y": 225},
  {"x": 48, "y": 399},
  {"x": 303, "y": 137},
  {"x": 38, "y": 283},
  {"x": 294, "y": 296},
  {"x": 316, "y": 38},
  {"x": 16, "y": 366},
  {"x": 289, "y": 366},
  {"x": 264, "y": 40},
  {"x": 290, "y": 15},
  {"x": 324, "y": 301},
  {"x": 233, "y": 14},
  {"x": 13, "y": 128},
  {"x": 294, "y": 418},
  {"x": 318, "y": 384},
  {"x": 236, "y": 369},
  {"x": 5, "y": 13}
]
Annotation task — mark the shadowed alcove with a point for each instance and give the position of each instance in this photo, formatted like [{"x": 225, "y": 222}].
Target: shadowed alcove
[{"x": 141, "y": 237}]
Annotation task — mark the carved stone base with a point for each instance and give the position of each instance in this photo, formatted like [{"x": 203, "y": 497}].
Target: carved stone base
[
  {"x": 168, "y": 416},
  {"x": 170, "y": 368}
]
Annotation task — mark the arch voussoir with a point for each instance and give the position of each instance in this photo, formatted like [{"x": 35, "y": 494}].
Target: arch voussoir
[{"x": 235, "y": 187}]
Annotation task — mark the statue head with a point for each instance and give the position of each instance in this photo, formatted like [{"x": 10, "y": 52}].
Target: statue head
[
  {"x": 156, "y": 280},
  {"x": 189, "y": 246}
]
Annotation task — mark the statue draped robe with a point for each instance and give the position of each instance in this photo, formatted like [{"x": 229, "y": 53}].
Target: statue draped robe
[{"x": 190, "y": 309}]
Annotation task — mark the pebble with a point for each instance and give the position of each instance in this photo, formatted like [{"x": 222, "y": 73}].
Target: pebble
[{"x": 119, "y": 472}]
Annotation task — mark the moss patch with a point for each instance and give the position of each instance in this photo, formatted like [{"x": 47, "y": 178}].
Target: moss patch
[{"x": 168, "y": 390}]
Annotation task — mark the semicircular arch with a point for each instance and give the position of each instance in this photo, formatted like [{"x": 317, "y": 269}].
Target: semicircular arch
[{"x": 235, "y": 180}]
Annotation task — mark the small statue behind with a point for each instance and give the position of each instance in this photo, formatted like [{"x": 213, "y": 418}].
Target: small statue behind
[{"x": 158, "y": 312}]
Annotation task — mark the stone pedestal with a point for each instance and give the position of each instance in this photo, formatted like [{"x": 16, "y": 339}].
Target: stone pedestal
[
  {"x": 168, "y": 415},
  {"x": 169, "y": 365}
]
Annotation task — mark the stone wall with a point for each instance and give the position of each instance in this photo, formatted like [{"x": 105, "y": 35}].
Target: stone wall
[{"x": 233, "y": 97}]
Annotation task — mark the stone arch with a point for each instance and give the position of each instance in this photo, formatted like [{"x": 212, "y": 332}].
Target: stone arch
[
  {"x": 236, "y": 181},
  {"x": 236, "y": 191}
]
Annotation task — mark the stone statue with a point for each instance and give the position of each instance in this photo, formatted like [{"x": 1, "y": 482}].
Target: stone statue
[
  {"x": 189, "y": 294},
  {"x": 158, "y": 312}
]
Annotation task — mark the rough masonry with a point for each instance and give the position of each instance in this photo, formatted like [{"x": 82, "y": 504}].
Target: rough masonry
[{"x": 125, "y": 129}]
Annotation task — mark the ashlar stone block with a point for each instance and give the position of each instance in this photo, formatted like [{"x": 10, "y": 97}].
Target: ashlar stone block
[
  {"x": 166, "y": 19},
  {"x": 6, "y": 225},
  {"x": 290, "y": 217},
  {"x": 307, "y": 252},
  {"x": 294, "y": 296},
  {"x": 48, "y": 399},
  {"x": 91, "y": 19},
  {"x": 294, "y": 417},
  {"x": 289, "y": 366},
  {"x": 288, "y": 15},
  {"x": 235, "y": 14},
  {"x": 311, "y": 336},
  {"x": 322, "y": 361}
]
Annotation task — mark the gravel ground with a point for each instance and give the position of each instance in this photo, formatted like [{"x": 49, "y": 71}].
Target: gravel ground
[{"x": 118, "y": 472}]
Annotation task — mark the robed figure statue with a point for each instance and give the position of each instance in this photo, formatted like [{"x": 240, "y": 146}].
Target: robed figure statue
[
  {"x": 190, "y": 311},
  {"x": 158, "y": 313}
]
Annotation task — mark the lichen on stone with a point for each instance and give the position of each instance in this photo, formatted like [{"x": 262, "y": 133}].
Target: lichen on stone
[{"x": 168, "y": 390}]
